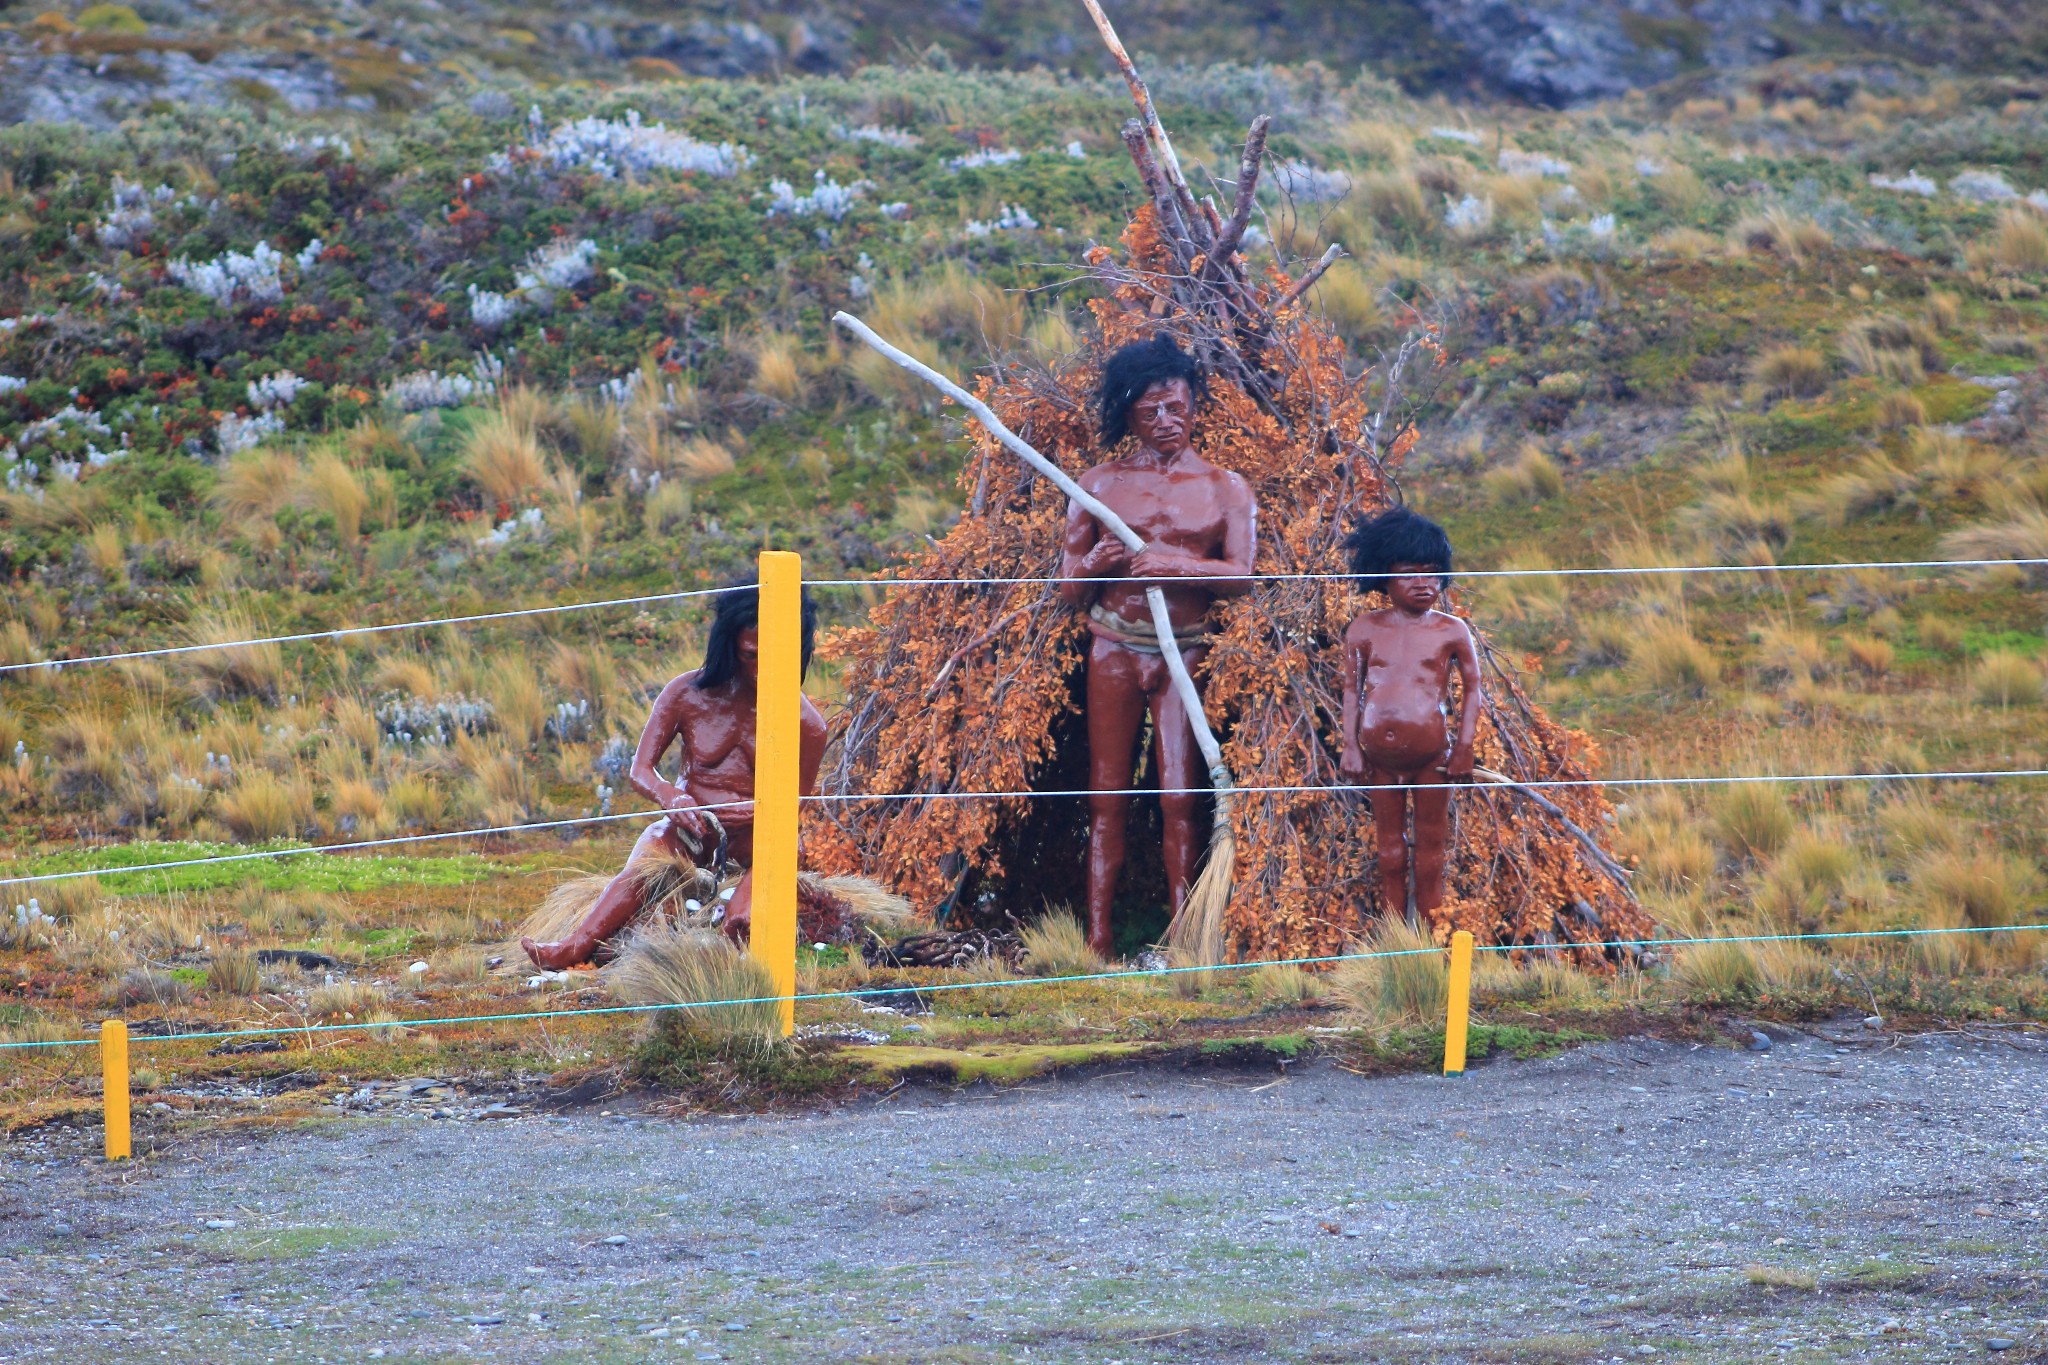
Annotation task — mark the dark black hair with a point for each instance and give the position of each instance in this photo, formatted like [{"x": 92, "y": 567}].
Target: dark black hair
[
  {"x": 1397, "y": 536},
  {"x": 739, "y": 606},
  {"x": 1131, "y": 370}
]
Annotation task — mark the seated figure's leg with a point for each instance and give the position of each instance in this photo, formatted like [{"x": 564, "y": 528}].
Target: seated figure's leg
[
  {"x": 616, "y": 905},
  {"x": 1181, "y": 771},
  {"x": 1390, "y": 827},
  {"x": 1116, "y": 705},
  {"x": 1432, "y": 835}
]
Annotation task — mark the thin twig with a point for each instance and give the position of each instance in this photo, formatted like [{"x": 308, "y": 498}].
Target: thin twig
[{"x": 1315, "y": 272}]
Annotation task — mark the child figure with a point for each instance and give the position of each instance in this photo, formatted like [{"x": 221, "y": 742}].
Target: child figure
[{"x": 1401, "y": 657}]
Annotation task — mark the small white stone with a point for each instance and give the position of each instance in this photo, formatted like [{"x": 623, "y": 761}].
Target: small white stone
[{"x": 418, "y": 969}]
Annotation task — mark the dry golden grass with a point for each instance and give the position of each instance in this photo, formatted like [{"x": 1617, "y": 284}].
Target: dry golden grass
[
  {"x": 463, "y": 965},
  {"x": 2023, "y": 534},
  {"x": 107, "y": 551},
  {"x": 778, "y": 369},
  {"x": 1532, "y": 477},
  {"x": 355, "y": 998},
  {"x": 243, "y": 670},
  {"x": 2020, "y": 243},
  {"x": 1780, "y": 1277},
  {"x": 1412, "y": 984},
  {"x": 1665, "y": 657},
  {"x": 2005, "y": 679},
  {"x": 1869, "y": 656},
  {"x": 1680, "y": 190},
  {"x": 502, "y": 453},
  {"x": 1898, "y": 410},
  {"x": 1786, "y": 652},
  {"x": 1280, "y": 985},
  {"x": 1350, "y": 301},
  {"x": 702, "y": 458},
  {"x": 257, "y": 484},
  {"x": 262, "y": 805},
  {"x": 1753, "y": 819},
  {"x": 1686, "y": 244},
  {"x": 514, "y": 690},
  {"x": 1943, "y": 310},
  {"x": 1056, "y": 945},
  {"x": 330, "y": 486},
  {"x": 1717, "y": 973},
  {"x": 1396, "y": 201},
  {"x": 1790, "y": 371},
  {"x": 951, "y": 307},
  {"x": 233, "y": 972},
  {"x": 1785, "y": 234},
  {"x": 1938, "y": 633},
  {"x": 662, "y": 965}
]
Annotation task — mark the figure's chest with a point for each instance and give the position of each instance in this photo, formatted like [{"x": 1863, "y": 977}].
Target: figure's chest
[
  {"x": 719, "y": 738},
  {"x": 1393, "y": 655},
  {"x": 1181, "y": 510}
]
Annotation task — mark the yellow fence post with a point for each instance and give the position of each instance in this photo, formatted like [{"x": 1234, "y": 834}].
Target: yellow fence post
[
  {"x": 1459, "y": 1016},
  {"x": 778, "y": 720},
  {"x": 114, "y": 1070}
]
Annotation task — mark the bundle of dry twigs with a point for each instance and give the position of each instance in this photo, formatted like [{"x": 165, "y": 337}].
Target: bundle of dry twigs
[{"x": 974, "y": 688}]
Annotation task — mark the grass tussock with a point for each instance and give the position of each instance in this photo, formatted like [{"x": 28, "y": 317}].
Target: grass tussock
[
  {"x": 1665, "y": 657},
  {"x": 2020, "y": 242},
  {"x": 714, "y": 990},
  {"x": 1790, "y": 371},
  {"x": 1056, "y": 945},
  {"x": 1717, "y": 973},
  {"x": 233, "y": 971},
  {"x": 1279, "y": 985},
  {"x": 2005, "y": 679},
  {"x": 1531, "y": 477},
  {"x": 502, "y": 454},
  {"x": 353, "y": 999},
  {"x": 1753, "y": 819},
  {"x": 229, "y": 670},
  {"x": 1411, "y": 985},
  {"x": 1792, "y": 237}
]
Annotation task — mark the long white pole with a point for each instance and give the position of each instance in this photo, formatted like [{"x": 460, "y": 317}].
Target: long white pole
[{"x": 1162, "y": 623}]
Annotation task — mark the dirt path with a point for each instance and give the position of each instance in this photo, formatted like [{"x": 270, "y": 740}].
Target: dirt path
[{"x": 1605, "y": 1205}]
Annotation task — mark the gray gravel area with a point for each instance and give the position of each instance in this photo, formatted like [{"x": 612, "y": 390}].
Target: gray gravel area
[{"x": 1630, "y": 1201}]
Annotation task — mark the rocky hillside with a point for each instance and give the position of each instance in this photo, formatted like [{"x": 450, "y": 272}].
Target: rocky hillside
[{"x": 104, "y": 62}]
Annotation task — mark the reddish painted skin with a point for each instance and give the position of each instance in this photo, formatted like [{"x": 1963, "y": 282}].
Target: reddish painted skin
[
  {"x": 716, "y": 729},
  {"x": 1197, "y": 522},
  {"x": 1402, "y": 658}
]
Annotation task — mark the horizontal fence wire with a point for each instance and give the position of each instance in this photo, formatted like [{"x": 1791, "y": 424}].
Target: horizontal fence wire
[
  {"x": 1537, "y": 784},
  {"x": 878, "y": 993},
  {"x": 343, "y": 632}
]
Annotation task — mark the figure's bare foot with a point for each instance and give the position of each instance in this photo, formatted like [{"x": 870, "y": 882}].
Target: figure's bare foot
[
  {"x": 737, "y": 927},
  {"x": 551, "y": 957}
]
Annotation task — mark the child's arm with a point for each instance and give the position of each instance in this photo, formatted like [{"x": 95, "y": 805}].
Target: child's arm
[
  {"x": 1466, "y": 655},
  {"x": 1351, "y": 762}
]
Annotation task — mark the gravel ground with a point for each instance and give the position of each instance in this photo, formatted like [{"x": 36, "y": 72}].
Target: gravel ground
[{"x": 1628, "y": 1201}]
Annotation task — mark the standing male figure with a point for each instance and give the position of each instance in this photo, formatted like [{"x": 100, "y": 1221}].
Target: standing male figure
[
  {"x": 710, "y": 711},
  {"x": 1199, "y": 524}
]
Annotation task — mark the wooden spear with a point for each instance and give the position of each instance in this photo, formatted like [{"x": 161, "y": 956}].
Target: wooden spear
[{"x": 1197, "y": 931}]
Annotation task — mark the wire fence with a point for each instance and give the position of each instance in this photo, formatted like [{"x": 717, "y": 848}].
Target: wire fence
[
  {"x": 9, "y": 881},
  {"x": 1157, "y": 972},
  {"x": 345, "y": 632},
  {"x": 886, "y": 990}
]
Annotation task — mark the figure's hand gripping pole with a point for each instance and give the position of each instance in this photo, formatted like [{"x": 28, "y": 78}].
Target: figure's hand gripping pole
[{"x": 1162, "y": 624}]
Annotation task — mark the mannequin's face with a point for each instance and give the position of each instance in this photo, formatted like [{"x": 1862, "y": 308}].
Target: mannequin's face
[
  {"x": 1414, "y": 587},
  {"x": 749, "y": 645},
  {"x": 1164, "y": 415}
]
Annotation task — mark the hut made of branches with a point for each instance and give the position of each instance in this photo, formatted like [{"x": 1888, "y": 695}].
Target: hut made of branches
[{"x": 959, "y": 689}]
